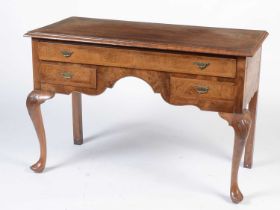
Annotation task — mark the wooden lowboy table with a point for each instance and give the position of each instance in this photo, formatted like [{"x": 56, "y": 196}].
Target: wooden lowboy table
[{"x": 214, "y": 69}]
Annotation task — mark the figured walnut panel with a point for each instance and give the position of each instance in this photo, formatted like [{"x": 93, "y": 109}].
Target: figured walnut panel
[
  {"x": 187, "y": 89},
  {"x": 219, "y": 95},
  {"x": 139, "y": 59},
  {"x": 160, "y": 83},
  {"x": 252, "y": 75},
  {"x": 80, "y": 75}
]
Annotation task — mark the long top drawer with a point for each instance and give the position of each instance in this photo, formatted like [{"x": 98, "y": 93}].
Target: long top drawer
[{"x": 138, "y": 59}]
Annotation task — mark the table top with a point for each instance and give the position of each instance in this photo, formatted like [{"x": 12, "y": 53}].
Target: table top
[{"x": 223, "y": 41}]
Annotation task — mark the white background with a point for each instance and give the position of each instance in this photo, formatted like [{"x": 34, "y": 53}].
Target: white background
[{"x": 139, "y": 152}]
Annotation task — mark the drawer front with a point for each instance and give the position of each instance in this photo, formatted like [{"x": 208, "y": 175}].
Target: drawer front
[
  {"x": 138, "y": 59},
  {"x": 68, "y": 74},
  {"x": 194, "y": 89}
]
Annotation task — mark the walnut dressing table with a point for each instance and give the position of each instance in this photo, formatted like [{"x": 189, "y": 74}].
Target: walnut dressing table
[{"x": 214, "y": 69}]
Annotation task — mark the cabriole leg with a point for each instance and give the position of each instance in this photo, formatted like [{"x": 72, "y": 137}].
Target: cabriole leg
[
  {"x": 33, "y": 102},
  {"x": 241, "y": 124}
]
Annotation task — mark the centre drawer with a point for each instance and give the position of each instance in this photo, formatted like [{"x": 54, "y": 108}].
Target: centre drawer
[
  {"x": 138, "y": 59},
  {"x": 68, "y": 74}
]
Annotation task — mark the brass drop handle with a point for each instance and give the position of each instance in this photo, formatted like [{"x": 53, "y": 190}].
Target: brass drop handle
[
  {"x": 67, "y": 75},
  {"x": 201, "y": 65},
  {"x": 201, "y": 89},
  {"x": 66, "y": 53}
]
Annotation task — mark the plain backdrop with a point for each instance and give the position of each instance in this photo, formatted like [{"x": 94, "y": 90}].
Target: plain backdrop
[{"x": 139, "y": 152}]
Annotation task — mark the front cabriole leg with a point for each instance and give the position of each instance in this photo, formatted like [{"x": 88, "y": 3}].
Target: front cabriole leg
[
  {"x": 241, "y": 124},
  {"x": 33, "y": 102}
]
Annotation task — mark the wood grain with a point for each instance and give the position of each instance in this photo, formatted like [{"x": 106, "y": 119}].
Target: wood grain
[
  {"x": 223, "y": 41},
  {"x": 240, "y": 80},
  {"x": 220, "y": 95},
  {"x": 249, "y": 149},
  {"x": 215, "y": 69},
  {"x": 33, "y": 103},
  {"x": 252, "y": 77},
  {"x": 138, "y": 59},
  {"x": 36, "y": 65},
  {"x": 241, "y": 124},
  {"x": 187, "y": 88},
  {"x": 77, "y": 118},
  {"x": 160, "y": 82},
  {"x": 81, "y": 75}
]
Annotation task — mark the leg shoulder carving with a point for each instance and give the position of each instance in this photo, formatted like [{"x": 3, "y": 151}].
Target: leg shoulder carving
[{"x": 240, "y": 122}]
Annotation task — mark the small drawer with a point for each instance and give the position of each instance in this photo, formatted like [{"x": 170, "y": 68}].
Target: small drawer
[
  {"x": 138, "y": 59},
  {"x": 68, "y": 74},
  {"x": 184, "y": 88}
]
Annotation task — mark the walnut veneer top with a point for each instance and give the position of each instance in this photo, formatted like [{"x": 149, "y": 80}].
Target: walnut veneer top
[{"x": 236, "y": 42}]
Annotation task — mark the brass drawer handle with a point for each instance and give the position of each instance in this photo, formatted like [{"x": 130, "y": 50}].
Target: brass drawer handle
[
  {"x": 201, "y": 65},
  {"x": 66, "y": 53},
  {"x": 67, "y": 75},
  {"x": 201, "y": 89}
]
